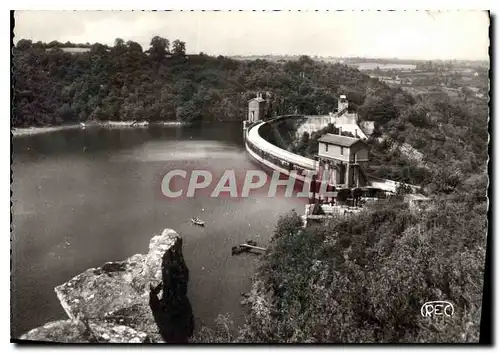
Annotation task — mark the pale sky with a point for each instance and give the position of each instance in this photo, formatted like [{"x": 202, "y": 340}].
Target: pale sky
[{"x": 410, "y": 34}]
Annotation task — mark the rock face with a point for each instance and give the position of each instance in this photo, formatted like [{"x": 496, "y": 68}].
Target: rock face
[
  {"x": 74, "y": 331},
  {"x": 173, "y": 313},
  {"x": 118, "y": 305}
]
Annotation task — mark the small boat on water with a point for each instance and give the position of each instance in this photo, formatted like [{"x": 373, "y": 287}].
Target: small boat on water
[
  {"x": 197, "y": 221},
  {"x": 82, "y": 125}
]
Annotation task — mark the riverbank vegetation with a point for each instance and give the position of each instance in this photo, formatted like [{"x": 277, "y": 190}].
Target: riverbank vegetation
[
  {"x": 365, "y": 278},
  {"x": 58, "y": 83}
]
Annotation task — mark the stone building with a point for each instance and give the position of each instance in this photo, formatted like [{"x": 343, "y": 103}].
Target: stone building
[
  {"x": 342, "y": 104},
  {"x": 256, "y": 108},
  {"x": 342, "y": 158}
]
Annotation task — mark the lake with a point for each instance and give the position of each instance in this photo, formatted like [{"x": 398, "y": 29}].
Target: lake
[{"x": 84, "y": 197}]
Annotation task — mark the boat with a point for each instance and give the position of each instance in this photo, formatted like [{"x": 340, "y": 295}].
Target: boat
[
  {"x": 197, "y": 221},
  {"x": 82, "y": 125}
]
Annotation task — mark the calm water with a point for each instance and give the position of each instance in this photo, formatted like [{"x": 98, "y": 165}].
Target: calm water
[{"x": 84, "y": 197}]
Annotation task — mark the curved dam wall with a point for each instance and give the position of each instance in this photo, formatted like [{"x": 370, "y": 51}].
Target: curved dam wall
[
  {"x": 267, "y": 142},
  {"x": 273, "y": 156},
  {"x": 282, "y": 131}
]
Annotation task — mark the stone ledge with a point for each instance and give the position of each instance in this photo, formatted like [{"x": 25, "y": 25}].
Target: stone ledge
[{"x": 113, "y": 298}]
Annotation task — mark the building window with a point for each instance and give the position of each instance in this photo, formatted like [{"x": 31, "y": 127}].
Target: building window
[{"x": 342, "y": 150}]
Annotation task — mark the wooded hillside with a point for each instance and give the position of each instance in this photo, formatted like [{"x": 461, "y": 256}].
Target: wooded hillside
[{"x": 127, "y": 82}]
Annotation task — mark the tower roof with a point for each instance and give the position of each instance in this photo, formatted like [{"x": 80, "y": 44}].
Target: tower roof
[{"x": 257, "y": 99}]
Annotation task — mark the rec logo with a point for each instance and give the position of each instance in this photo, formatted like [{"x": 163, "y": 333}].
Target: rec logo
[{"x": 437, "y": 308}]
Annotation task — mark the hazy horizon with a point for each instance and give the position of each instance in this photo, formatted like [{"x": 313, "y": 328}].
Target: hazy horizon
[{"x": 404, "y": 35}]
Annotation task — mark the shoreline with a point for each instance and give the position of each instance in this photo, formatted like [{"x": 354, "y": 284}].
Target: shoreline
[{"x": 35, "y": 130}]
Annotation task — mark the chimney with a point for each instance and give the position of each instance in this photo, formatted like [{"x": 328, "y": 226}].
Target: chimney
[
  {"x": 356, "y": 133},
  {"x": 340, "y": 130}
]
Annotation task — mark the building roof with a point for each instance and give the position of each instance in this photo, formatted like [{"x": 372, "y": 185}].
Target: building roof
[
  {"x": 257, "y": 99},
  {"x": 339, "y": 140}
]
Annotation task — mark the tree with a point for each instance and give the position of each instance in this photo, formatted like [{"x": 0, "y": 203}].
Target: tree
[
  {"x": 134, "y": 47},
  {"x": 39, "y": 45},
  {"x": 379, "y": 109},
  {"x": 188, "y": 112},
  {"x": 364, "y": 278},
  {"x": 159, "y": 48},
  {"x": 65, "y": 112},
  {"x": 97, "y": 114},
  {"x": 54, "y": 44},
  {"x": 446, "y": 179},
  {"x": 119, "y": 42},
  {"x": 118, "y": 79},
  {"x": 98, "y": 49},
  {"x": 24, "y": 44},
  {"x": 417, "y": 115},
  {"x": 178, "y": 48}
]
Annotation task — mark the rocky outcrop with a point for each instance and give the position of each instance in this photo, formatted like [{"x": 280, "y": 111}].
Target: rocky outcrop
[
  {"x": 116, "y": 302},
  {"x": 75, "y": 331},
  {"x": 173, "y": 313}
]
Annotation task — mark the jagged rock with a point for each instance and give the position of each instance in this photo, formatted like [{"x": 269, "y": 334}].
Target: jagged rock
[
  {"x": 116, "y": 296},
  {"x": 173, "y": 313},
  {"x": 74, "y": 331}
]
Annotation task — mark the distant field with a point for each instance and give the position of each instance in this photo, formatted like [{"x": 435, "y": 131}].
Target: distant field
[
  {"x": 415, "y": 91},
  {"x": 373, "y": 66}
]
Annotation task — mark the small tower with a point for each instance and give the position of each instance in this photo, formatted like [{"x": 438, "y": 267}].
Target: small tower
[
  {"x": 342, "y": 104},
  {"x": 256, "y": 107}
]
